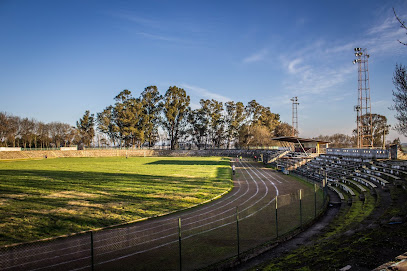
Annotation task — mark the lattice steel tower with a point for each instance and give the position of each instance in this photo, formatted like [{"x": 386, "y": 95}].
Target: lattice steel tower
[
  {"x": 363, "y": 108},
  {"x": 295, "y": 116}
]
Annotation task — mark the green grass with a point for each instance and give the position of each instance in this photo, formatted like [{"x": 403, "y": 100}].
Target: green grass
[
  {"x": 332, "y": 248},
  {"x": 52, "y": 197}
]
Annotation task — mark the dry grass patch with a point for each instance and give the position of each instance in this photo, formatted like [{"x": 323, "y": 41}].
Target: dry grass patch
[
  {"x": 71, "y": 195},
  {"x": 84, "y": 203}
]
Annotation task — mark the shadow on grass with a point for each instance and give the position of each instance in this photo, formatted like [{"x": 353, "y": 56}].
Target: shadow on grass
[
  {"x": 189, "y": 162},
  {"x": 31, "y": 199},
  {"x": 21, "y": 180}
]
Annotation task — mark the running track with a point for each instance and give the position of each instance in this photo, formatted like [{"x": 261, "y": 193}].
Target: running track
[{"x": 254, "y": 188}]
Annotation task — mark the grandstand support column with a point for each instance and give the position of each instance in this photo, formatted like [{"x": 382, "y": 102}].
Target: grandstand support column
[{"x": 302, "y": 148}]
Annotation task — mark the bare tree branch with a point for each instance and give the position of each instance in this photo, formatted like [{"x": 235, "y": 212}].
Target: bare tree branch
[{"x": 402, "y": 25}]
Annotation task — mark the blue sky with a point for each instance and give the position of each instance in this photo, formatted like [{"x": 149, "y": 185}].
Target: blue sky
[{"x": 60, "y": 58}]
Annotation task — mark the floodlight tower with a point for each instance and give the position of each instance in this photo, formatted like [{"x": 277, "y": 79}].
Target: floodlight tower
[
  {"x": 295, "y": 116},
  {"x": 363, "y": 108}
]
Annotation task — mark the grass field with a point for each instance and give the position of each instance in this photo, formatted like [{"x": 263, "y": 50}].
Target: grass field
[
  {"x": 333, "y": 248},
  {"x": 52, "y": 197}
]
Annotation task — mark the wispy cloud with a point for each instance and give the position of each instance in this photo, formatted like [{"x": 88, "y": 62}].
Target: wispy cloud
[
  {"x": 131, "y": 17},
  {"x": 159, "y": 37},
  {"x": 383, "y": 37},
  {"x": 204, "y": 93},
  {"x": 151, "y": 28},
  {"x": 313, "y": 77},
  {"x": 256, "y": 57},
  {"x": 294, "y": 66},
  {"x": 319, "y": 67}
]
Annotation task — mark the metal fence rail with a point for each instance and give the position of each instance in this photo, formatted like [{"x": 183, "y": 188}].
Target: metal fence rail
[{"x": 237, "y": 231}]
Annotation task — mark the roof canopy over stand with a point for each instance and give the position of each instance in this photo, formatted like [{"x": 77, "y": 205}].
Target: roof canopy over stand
[{"x": 301, "y": 142}]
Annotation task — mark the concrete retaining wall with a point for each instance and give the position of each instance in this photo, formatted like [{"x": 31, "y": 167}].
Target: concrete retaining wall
[
  {"x": 363, "y": 153},
  {"x": 121, "y": 152},
  {"x": 9, "y": 149}
]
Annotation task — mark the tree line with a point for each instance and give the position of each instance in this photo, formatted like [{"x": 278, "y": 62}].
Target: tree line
[
  {"x": 135, "y": 121},
  {"x": 30, "y": 133},
  {"x": 380, "y": 129}
]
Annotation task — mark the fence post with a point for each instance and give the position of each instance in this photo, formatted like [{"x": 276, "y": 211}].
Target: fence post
[
  {"x": 300, "y": 209},
  {"x": 179, "y": 242},
  {"x": 276, "y": 218},
  {"x": 237, "y": 233},
  {"x": 92, "y": 251},
  {"x": 315, "y": 199},
  {"x": 324, "y": 182}
]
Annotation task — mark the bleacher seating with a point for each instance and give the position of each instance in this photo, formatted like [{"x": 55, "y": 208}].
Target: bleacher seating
[{"x": 360, "y": 173}]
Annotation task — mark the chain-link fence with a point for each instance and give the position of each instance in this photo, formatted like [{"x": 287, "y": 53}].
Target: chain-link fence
[{"x": 170, "y": 243}]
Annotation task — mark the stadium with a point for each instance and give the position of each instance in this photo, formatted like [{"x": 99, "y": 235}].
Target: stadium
[
  {"x": 203, "y": 135},
  {"x": 276, "y": 196}
]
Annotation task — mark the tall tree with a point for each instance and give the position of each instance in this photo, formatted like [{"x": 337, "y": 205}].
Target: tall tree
[
  {"x": 380, "y": 128},
  {"x": 4, "y": 128},
  {"x": 151, "y": 100},
  {"x": 338, "y": 140},
  {"x": 400, "y": 98},
  {"x": 199, "y": 127},
  {"x": 214, "y": 112},
  {"x": 234, "y": 119},
  {"x": 13, "y": 131},
  {"x": 123, "y": 116},
  {"x": 129, "y": 118},
  {"x": 43, "y": 135},
  {"x": 261, "y": 136},
  {"x": 253, "y": 112},
  {"x": 257, "y": 116},
  {"x": 175, "y": 110},
  {"x": 85, "y": 126},
  {"x": 283, "y": 129},
  {"x": 107, "y": 123},
  {"x": 268, "y": 119},
  {"x": 27, "y": 132}
]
